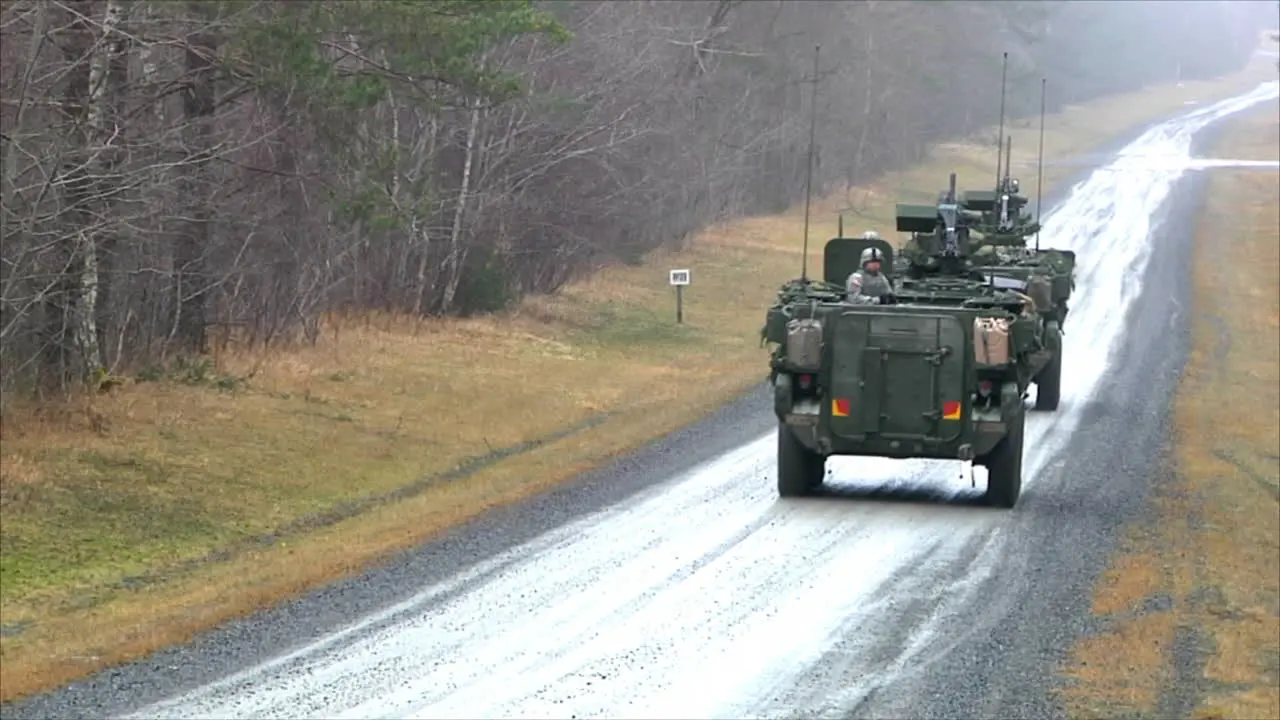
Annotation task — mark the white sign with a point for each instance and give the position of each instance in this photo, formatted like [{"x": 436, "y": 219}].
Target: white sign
[{"x": 679, "y": 277}]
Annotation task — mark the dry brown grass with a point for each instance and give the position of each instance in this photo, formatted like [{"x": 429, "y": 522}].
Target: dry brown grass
[
  {"x": 1215, "y": 547},
  {"x": 1130, "y": 580},
  {"x": 145, "y": 481},
  {"x": 1134, "y": 670}
]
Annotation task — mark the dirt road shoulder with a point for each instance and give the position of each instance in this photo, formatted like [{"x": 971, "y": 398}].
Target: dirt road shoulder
[{"x": 1189, "y": 610}]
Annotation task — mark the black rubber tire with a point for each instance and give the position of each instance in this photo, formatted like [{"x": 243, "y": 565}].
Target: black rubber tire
[
  {"x": 1004, "y": 466},
  {"x": 1049, "y": 381},
  {"x": 799, "y": 470}
]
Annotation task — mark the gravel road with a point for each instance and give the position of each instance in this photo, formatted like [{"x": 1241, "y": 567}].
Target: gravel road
[{"x": 676, "y": 584}]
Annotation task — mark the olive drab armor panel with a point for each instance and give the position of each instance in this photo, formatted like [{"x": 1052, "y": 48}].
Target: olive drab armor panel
[
  {"x": 897, "y": 373},
  {"x": 843, "y": 256},
  {"x": 914, "y": 218},
  {"x": 979, "y": 200}
]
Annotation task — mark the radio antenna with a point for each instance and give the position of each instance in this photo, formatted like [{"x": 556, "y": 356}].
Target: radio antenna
[
  {"x": 1008, "y": 155},
  {"x": 1040, "y": 165},
  {"x": 808, "y": 182},
  {"x": 1004, "y": 74}
]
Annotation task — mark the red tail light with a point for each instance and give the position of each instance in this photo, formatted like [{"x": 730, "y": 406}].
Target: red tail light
[
  {"x": 984, "y": 387},
  {"x": 806, "y": 381}
]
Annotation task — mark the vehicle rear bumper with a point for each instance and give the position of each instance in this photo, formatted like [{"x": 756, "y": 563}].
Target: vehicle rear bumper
[{"x": 977, "y": 438}]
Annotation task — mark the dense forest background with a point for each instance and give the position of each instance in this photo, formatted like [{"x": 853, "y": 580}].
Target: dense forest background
[{"x": 176, "y": 173}]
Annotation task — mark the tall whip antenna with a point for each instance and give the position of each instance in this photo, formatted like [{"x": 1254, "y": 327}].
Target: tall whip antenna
[
  {"x": 808, "y": 183},
  {"x": 1040, "y": 165},
  {"x": 1004, "y": 74},
  {"x": 1008, "y": 155}
]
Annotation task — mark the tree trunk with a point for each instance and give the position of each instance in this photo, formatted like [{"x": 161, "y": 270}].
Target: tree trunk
[
  {"x": 420, "y": 232},
  {"x": 109, "y": 75},
  {"x": 88, "y": 97},
  {"x": 453, "y": 263},
  {"x": 193, "y": 237}
]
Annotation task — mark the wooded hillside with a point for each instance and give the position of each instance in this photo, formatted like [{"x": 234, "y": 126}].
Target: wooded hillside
[{"x": 182, "y": 173}]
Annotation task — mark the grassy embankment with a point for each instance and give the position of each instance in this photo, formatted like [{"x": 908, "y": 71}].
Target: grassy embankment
[
  {"x": 1191, "y": 605},
  {"x": 132, "y": 520}
]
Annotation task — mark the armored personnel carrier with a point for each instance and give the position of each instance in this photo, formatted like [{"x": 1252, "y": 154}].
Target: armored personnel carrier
[
  {"x": 938, "y": 369},
  {"x": 1048, "y": 275}
]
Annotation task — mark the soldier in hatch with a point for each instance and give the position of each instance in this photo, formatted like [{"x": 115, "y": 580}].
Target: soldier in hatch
[
  {"x": 867, "y": 285},
  {"x": 854, "y": 295},
  {"x": 919, "y": 260}
]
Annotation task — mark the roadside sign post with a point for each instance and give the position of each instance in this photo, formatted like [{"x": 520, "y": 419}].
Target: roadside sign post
[{"x": 679, "y": 278}]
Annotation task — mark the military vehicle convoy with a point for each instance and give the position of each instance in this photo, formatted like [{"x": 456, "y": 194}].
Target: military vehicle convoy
[
  {"x": 938, "y": 369},
  {"x": 933, "y": 363}
]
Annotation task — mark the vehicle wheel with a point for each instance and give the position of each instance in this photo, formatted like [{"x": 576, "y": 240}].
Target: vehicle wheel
[
  {"x": 1004, "y": 466},
  {"x": 1049, "y": 381},
  {"x": 799, "y": 470}
]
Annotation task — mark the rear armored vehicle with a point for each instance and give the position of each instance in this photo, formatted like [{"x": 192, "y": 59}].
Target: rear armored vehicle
[
  {"x": 1002, "y": 227},
  {"x": 1047, "y": 276}
]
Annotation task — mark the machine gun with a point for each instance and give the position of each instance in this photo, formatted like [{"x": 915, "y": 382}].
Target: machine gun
[
  {"x": 1003, "y": 220},
  {"x": 939, "y": 243}
]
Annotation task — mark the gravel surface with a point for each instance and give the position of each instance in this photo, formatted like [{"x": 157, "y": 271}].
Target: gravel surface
[{"x": 824, "y": 608}]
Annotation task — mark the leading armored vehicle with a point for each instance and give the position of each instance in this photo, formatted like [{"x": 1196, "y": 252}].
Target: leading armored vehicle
[{"x": 938, "y": 369}]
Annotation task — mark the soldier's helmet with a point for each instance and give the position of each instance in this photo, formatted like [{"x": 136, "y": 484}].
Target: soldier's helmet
[
  {"x": 871, "y": 255},
  {"x": 871, "y": 235}
]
